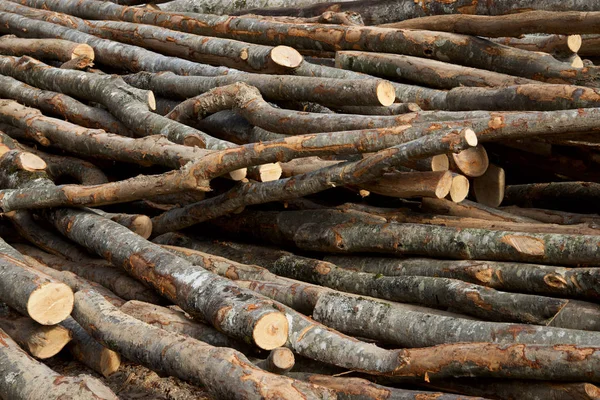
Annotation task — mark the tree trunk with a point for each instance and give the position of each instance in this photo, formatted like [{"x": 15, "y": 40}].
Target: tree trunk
[
  {"x": 39, "y": 340},
  {"x": 515, "y": 25},
  {"x": 341, "y": 92},
  {"x": 412, "y": 184},
  {"x": 567, "y": 196},
  {"x": 36, "y": 295},
  {"x": 557, "y": 45},
  {"x": 228, "y": 6},
  {"x": 184, "y": 357},
  {"x": 232, "y": 310},
  {"x": 431, "y": 73},
  {"x": 32, "y": 380},
  {"x": 45, "y": 49}
]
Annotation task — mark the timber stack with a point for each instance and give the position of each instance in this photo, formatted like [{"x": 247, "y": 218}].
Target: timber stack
[{"x": 300, "y": 200}]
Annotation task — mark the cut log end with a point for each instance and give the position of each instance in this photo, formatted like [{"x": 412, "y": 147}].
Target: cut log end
[
  {"x": 238, "y": 174},
  {"x": 386, "y": 93},
  {"x": 151, "y": 100},
  {"x": 444, "y": 185},
  {"x": 574, "y": 43},
  {"x": 54, "y": 339},
  {"x": 282, "y": 359},
  {"x": 440, "y": 163},
  {"x": 271, "y": 331},
  {"x": 51, "y": 303},
  {"x": 459, "y": 189},
  {"x": 577, "y": 62},
  {"x": 489, "y": 188},
  {"x": 286, "y": 57},
  {"x": 31, "y": 162},
  {"x": 269, "y": 172},
  {"x": 110, "y": 362},
  {"x": 84, "y": 50},
  {"x": 470, "y": 137},
  {"x": 472, "y": 162},
  {"x": 142, "y": 225}
]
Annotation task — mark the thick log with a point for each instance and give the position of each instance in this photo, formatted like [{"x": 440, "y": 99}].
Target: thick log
[
  {"x": 61, "y": 105},
  {"x": 557, "y": 45},
  {"x": 228, "y": 7},
  {"x": 350, "y": 173},
  {"x": 99, "y": 271},
  {"x": 184, "y": 357},
  {"x": 351, "y": 233},
  {"x": 122, "y": 100},
  {"x": 489, "y": 187},
  {"x": 280, "y": 361},
  {"x": 138, "y": 223},
  {"x": 431, "y": 73},
  {"x": 23, "y": 370},
  {"x": 549, "y": 280},
  {"x": 400, "y": 325},
  {"x": 232, "y": 310},
  {"x": 341, "y": 92},
  {"x": 471, "y": 162},
  {"x": 362, "y": 389},
  {"x": 412, "y": 184},
  {"x": 539, "y": 21},
  {"x": 567, "y": 196},
  {"x": 33, "y": 294},
  {"x": 39, "y": 340},
  {"x": 554, "y": 217},
  {"x": 453, "y": 48},
  {"x": 471, "y": 209},
  {"x": 45, "y": 49},
  {"x": 178, "y": 322}
]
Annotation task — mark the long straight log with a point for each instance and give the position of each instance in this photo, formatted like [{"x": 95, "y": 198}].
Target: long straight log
[
  {"x": 412, "y": 184},
  {"x": 568, "y": 196},
  {"x": 45, "y": 49},
  {"x": 557, "y": 45},
  {"x": 470, "y": 209},
  {"x": 36, "y": 295},
  {"x": 539, "y": 21},
  {"x": 184, "y": 357},
  {"x": 439, "y": 45},
  {"x": 232, "y": 310},
  {"x": 343, "y": 92},
  {"x": 24, "y": 370},
  {"x": 431, "y": 73},
  {"x": 554, "y": 217},
  {"x": 227, "y": 7},
  {"x": 138, "y": 223},
  {"x": 346, "y": 234}
]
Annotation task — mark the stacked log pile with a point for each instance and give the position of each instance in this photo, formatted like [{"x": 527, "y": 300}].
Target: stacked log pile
[{"x": 299, "y": 200}]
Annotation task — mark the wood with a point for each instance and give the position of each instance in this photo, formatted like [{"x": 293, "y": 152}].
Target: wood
[
  {"x": 39, "y": 340},
  {"x": 567, "y": 196},
  {"x": 412, "y": 184},
  {"x": 489, "y": 187},
  {"x": 459, "y": 189},
  {"x": 280, "y": 361},
  {"x": 557, "y": 45},
  {"x": 36, "y": 295},
  {"x": 265, "y": 173},
  {"x": 232, "y": 310},
  {"x": 48, "y": 384},
  {"x": 45, "y": 49},
  {"x": 200, "y": 6},
  {"x": 394, "y": 109},
  {"x": 431, "y": 73},
  {"x": 472, "y": 162},
  {"x": 539, "y": 21},
  {"x": 471, "y": 210},
  {"x": 590, "y": 46},
  {"x": 184, "y": 357},
  {"x": 553, "y": 217},
  {"x": 138, "y": 223}
]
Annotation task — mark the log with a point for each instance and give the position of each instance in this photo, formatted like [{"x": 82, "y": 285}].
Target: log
[
  {"x": 590, "y": 46},
  {"x": 45, "y": 49},
  {"x": 538, "y": 21},
  {"x": 343, "y": 92},
  {"x": 412, "y": 184},
  {"x": 553, "y": 217},
  {"x": 23, "y": 370},
  {"x": 399, "y": 325},
  {"x": 471, "y": 209},
  {"x": 228, "y": 125},
  {"x": 81, "y": 63},
  {"x": 557, "y": 45},
  {"x": 438, "y": 45},
  {"x": 459, "y": 189},
  {"x": 567, "y": 196},
  {"x": 33, "y": 294},
  {"x": 431, "y": 73},
  {"x": 227, "y": 7},
  {"x": 265, "y": 173},
  {"x": 58, "y": 167},
  {"x": 280, "y": 361},
  {"x": 471, "y": 162},
  {"x": 99, "y": 271},
  {"x": 138, "y": 223},
  {"x": 39, "y": 340},
  {"x": 111, "y": 91},
  {"x": 489, "y": 187},
  {"x": 512, "y": 277},
  {"x": 305, "y": 165},
  {"x": 394, "y": 109},
  {"x": 232, "y": 310},
  {"x": 347, "y": 234},
  {"x": 184, "y": 357}
]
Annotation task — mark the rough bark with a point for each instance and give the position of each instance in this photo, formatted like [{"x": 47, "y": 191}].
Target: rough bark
[
  {"x": 21, "y": 370},
  {"x": 138, "y": 223},
  {"x": 557, "y": 45},
  {"x": 568, "y": 196},
  {"x": 61, "y": 105},
  {"x": 81, "y": 63},
  {"x": 550, "y": 280},
  {"x": 45, "y": 49},
  {"x": 230, "y": 126},
  {"x": 227, "y": 7},
  {"x": 184, "y": 357},
  {"x": 400, "y": 325},
  {"x": 539, "y": 21},
  {"x": 33, "y": 294},
  {"x": 431, "y": 73},
  {"x": 178, "y": 322},
  {"x": 123, "y": 101},
  {"x": 39, "y": 340},
  {"x": 338, "y": 233},
  {"x": 465, "y": 50},
  {"x": 342, "y": 92},
  {"x": 554, "y": 217},
  {"x": 235, "y": 311},
  {"x": 394, "y": 109},
  {"x": 99, "y": 271},
  {"x": 412, "y": 184},
  {"x": 471, "y": 209},
  {"x": 347, "y": 173}
]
